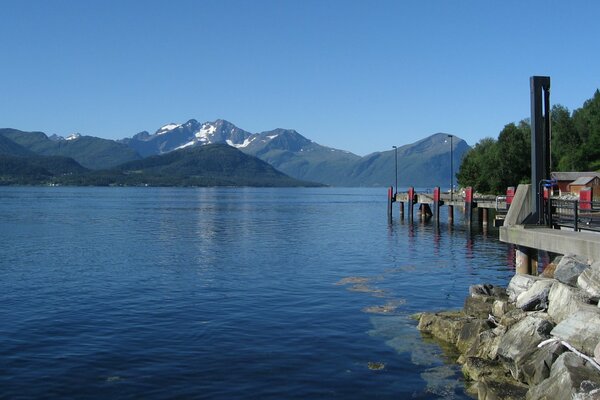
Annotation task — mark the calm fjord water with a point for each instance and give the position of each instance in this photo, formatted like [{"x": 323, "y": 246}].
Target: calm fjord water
[{"x": 227, "y": 293}]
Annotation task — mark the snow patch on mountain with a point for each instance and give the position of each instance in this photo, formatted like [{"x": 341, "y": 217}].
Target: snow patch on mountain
[
  {"x": 167, "y": 128},
  {"x": 183, "y": 146},
  {"x": 206, "y": 131},
  {"x": 245, "y": 143},
  {"x": 73, "y": 136}
]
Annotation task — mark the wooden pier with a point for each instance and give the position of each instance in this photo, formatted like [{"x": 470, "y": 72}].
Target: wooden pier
[{"x": 429, "y": 204}]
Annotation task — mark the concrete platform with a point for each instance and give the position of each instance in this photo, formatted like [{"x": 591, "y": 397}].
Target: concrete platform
[{"x": 586, "y": 244}]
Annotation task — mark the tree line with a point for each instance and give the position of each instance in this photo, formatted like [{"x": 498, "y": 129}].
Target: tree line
[{"x": 494, "y": 164}]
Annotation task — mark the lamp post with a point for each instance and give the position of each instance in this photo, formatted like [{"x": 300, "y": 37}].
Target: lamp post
[
  {"x": 396, "y": 156},
  {"x": 451, "y": 170}
]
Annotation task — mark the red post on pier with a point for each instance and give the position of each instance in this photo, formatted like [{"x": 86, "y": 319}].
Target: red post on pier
[
  {"x": 510, "y": 194},
  {"x": 436, "y": 204},
  {"x": 585, "y": 199},
  {"x": 451, "y": 209},
  {"x": 390, "y": 201},
  {"x": 411, "y": 203},
  {"x": 469, "y": 204}
]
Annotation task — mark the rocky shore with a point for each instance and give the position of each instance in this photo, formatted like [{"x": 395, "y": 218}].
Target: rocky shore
[{"x": 537, "y": 339}]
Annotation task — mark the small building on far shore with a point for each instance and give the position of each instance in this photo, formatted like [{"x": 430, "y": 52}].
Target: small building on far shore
[
  {"x": 573, "y": 182},
  {"x": 592, "y": 182}
]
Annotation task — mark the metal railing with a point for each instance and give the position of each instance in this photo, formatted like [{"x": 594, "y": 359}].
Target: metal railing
[{"x": 576, "y": 214}]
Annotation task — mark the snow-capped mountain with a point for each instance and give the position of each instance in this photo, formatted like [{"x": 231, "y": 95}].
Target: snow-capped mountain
[
  {"x": 301, "y": 158},
  {"x": 285, "y": 149},
  {"x": 173, "y": 136},
  {"x": 72, "y": 136}
]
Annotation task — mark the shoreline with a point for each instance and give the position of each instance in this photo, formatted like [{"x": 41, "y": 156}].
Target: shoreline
[{"x": 537, "y": 339}]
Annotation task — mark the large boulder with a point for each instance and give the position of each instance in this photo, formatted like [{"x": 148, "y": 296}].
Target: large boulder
[
  {"x": 512, "y": 317},
  {"x": 565, "y": 300},
  {"x": 489, "y": 389},
  {"x": 569, "y": 378},
  {"x": 492, "y": 381},
  {"x": 569, "y": 268},
  {"x": 521, "y": 340},
  {"x": 445, "y": 326},
  {"x": 500, "y": 308},
  {"x": 478, "y": 306},
  {"x": 519, "y": 283},
  {"x": 589, "y": 281},
  {"x": 468, "y": 338},
  {"x": 476, "y": 369},
  {"x": 581, "y": 330},
  {"x": 488, "y": 342},
  {"x": 536, "y": 297},
  {"x": 487, "y": 290},
  {"x": 481, "y": 300},
  {"x": 537, "y": 367}
]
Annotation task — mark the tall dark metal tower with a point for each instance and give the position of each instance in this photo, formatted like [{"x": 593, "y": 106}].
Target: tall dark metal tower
[{"x": 540, "y": 141}]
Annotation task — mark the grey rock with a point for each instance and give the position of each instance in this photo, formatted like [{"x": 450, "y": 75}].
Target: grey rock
[
  {"x": 476, "y": 369},
  {"x": 597, "y": 353},
  {"x": 512, "y": 317},
  {"x": 468, "y": 338},
  {"x": 565, "y": 300},
  {"x": 489, "y": 341},
  {"x": 589, "y": 281},
  {"x": 537, "y": 367},
  {"x": 521, "y": 340},
  {"x": 445, "y": 326},
  {"x": 494, "y": 390},
  {"x": 519, "y": 284},
  {"x": 492, "y": 381},
  {"x": 581, "y": 330},
  {"x": 478, "y": 306},
  {"x": 569, "y": 378},
  {"x": 481, "y": 289},
  {"x": 499, "y": 308},
  {"x": 536, "y": 297},
  {"x": 569, "y": 268},
  {"x": 588, "y": 390}
]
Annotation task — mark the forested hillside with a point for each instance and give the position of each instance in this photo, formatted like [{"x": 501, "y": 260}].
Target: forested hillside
[{"x": 494, "y": 164}]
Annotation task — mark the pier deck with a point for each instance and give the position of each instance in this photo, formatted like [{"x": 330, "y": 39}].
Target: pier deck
[
  {"x": 456, "y": 200},
  {"x": 558, "y": 241}
]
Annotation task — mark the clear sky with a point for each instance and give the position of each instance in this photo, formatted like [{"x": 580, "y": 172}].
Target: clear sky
[{"x": 355, "y": 75}]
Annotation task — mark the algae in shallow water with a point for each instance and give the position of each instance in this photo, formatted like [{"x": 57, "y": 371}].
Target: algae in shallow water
[
  {"x": 387, "y": 308},
  {"x": 366, "y": 289},
  {"x": 376, "y": 366},
  {"x": 352, "y": 280}
]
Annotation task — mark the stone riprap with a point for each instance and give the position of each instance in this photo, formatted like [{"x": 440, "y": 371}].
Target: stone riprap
[{"x": 537, "y": 339}]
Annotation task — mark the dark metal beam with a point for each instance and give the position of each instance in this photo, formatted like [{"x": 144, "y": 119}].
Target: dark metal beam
[{"x": 540, "y": 141}]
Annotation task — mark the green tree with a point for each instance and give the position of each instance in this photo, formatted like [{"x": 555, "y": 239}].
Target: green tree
[
  {"x": 587, "y": 124},
  {"x": 565, "y": 141},
  {"x": 477, "y": 166},
  {"x": 514, "y": 156}
]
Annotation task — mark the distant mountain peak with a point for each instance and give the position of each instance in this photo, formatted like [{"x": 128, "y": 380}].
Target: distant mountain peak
[
  {"x": 167, "y": 128},
  {"x": 206, "y": 131},
  {"x": 73, "y": 136}
]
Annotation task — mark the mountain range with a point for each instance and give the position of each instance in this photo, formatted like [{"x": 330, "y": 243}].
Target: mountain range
[
  {"x": 173, "y": 154},
  {"x": 424, "y": 163}
]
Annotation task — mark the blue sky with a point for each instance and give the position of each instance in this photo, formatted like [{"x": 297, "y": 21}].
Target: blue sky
[{"x": 355, "y": 75}]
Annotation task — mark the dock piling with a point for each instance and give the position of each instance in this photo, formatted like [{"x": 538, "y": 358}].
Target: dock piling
[
  {"x": 436, "y": 204},
  {"x": 411, "y": 202},
  {"x": 389, "y": 204},
  {"x": 469, "y": 204}
]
